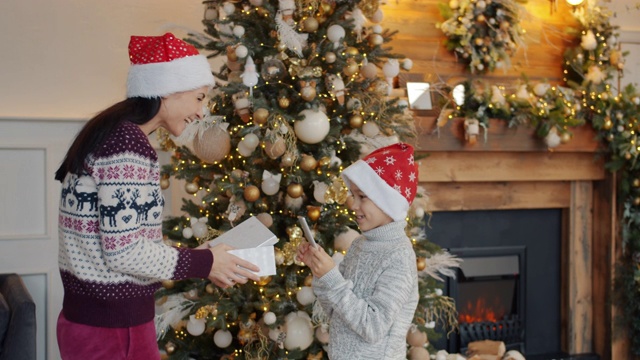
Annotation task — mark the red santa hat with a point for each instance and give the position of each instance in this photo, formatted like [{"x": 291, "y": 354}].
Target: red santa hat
[
  {"x": 164, "y": 65},
  {"x": 388, "y": 176}
]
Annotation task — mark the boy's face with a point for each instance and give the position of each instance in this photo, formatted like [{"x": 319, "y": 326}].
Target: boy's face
[{"x": 368, "y": 214}]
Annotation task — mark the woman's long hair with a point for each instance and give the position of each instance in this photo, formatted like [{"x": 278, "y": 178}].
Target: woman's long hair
[{"x": 137, "y": 110}]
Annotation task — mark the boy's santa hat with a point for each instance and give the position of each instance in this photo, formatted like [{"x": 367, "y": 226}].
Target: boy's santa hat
[
  {"x": 164, "y": 65},
  {"x": 388, "y": 176}
]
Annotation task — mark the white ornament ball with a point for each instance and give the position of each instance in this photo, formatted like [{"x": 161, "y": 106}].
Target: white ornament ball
[
  {"x": 313, "y": 128},
  {"x": 195, "y": 326},
  {"x": 222, "y": 338},
  {"x": 211, "y": 13},
  {"x": 418, "y": 353},
  {"x": 265, "y": 218},
  {"x": 251, "y": 140},
  {"x": 299, "y": 334},
  {"x": 305, "y": 296},
  {"x": 343, "y": 241},
  {"x": 242, "y": 51},
  {"x": 256, "y": 2},
  {"x": 319, "y": 190},
  {"x": 269, "y": 318},
  {"x": 187, "y": 233},
  {"x": 200, "y": 229},
  {"x": 270, "y": 187},
  {"x": 377, "y": 16},
  {"x": 245, "y": 150},
  {"x": 228, "y": 8},
  {"x": 238, "y": 30},
  {"x": 293, "y": 204},
  {"x": 369, "y": 71},
  {"x": 407, "y": 64},
  {"x": 376, "y": 29},
  {"x": 441, "y": 355},
  {"x": 370, "y": 129},
  {"x": 191, "y": 188},
  {"x": 418, "y": 212},
  {"x": 541, "y": 88},
  {"x": 335, "y": 33},
  {"x": 322, "y": 334},
  {"x": 552, "y": 139}
]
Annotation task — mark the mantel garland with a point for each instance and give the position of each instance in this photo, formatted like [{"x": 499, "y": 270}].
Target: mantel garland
[
  {"x": 483, "y": 34},
  {"x": 585, "y": 97}
]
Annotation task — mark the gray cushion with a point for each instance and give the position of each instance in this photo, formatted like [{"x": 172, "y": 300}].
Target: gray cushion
[
  {"x": 20, "y": 337},
  {"x": 5, "y": 315}
]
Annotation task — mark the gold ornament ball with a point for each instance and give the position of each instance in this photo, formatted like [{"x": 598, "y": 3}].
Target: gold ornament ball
[
  {"x": 168, "y": 284},
  {"x": 356, "y": 121},
  {"x": 279, "y": 255},
  {"x": 375, "y": 39},
  {"x": 284, "y": 102},
  {"x": 308, "y": 281},
  {"x": 260, "y": 116},
  {"x": 610, "y": 137},
  {"x": 281, "y": 46},
  {"x": 608, "y": 124},
  {"x": 170, "y": 347},
  {"x": 324, "y": 161},
  {"x": 416, "y": 338},
  {"x": 636, "y": 201},
  {"x": 164, "y": 183},
  {"x": 308, "y": 93},
  {"x": 627, "y": 156},
  {"x": 251, "y": 193},
  {"x": 352, "y": 51},
  {"x": 294, "y": 190},
  {"x": 330, "y": 57},
  {"x": 313, "y": 212},
  {"x": 191, "y": 188},
  {"x": 565, "y": 137},
  {"x": 350, "y": 69},
  {"x": 326, "y": 8},
  {"x": 287, "y": 160},
  {"x": 264, "y": 280},
  {"x": 210, "y": 288},
  {"x": 310, "y": 24},
  {"x": 636, "y": 182},
  {"x": 308, "y": 163},
  {"x": 421, "y": 263}
]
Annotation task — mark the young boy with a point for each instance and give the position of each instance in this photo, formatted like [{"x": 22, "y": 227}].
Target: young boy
[{"x": 372, "y": 295}]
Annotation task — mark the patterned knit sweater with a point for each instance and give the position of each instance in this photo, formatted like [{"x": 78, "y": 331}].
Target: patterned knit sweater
[
  {"x": 372, "y": 296},
  {"x": 111, "y": 255}
]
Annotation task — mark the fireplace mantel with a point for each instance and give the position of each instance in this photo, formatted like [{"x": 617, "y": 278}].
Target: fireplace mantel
[{"x": 511, "y": 168}]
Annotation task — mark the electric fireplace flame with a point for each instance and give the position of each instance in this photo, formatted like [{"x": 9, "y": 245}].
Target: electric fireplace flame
[{"x": 480, "y": 311}]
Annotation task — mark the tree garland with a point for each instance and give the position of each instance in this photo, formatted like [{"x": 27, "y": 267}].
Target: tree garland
[{"x": 586, "y": 97}]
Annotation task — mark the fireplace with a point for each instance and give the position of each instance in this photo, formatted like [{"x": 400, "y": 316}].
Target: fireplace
[
  {"x": 489, "y": 296},
  {"x": 509, "y": 284}
]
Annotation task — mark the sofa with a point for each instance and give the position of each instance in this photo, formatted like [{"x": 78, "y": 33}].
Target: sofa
[{"x": 17, "y": 320}]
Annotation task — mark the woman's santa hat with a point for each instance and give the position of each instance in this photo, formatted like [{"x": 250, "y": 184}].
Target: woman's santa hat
[
  {"x": 388, "y": 176},
  {"x": 164, "y": 65}
]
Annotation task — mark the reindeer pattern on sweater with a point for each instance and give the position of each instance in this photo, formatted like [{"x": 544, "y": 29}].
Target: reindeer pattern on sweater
[{"x": 111, "y": 253}]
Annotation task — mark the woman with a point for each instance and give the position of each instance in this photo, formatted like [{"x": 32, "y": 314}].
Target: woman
[{"x": 111, "y": 253}]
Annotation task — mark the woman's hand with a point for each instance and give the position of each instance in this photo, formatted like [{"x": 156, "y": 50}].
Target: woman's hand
[{"x": 228, "y": 269}]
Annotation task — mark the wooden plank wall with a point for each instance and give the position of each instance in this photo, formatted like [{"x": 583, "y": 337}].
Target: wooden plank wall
[{"x": 513, "y": 169}]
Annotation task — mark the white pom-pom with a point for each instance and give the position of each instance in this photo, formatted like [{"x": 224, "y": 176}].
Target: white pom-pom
[{"x": 200, "y": 229}]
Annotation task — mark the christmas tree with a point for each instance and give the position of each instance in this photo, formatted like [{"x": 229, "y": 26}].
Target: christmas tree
[{"x": 301, "y": 96}]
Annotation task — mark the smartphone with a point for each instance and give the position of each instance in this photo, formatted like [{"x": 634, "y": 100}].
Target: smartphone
[{"x": 307, "y": 231}]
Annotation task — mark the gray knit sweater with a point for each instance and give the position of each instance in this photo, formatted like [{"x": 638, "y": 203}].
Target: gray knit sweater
[{"x": 371, "y": 298}]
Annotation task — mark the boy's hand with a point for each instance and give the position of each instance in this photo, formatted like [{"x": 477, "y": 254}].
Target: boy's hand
[{"x": 316, "y": 259}]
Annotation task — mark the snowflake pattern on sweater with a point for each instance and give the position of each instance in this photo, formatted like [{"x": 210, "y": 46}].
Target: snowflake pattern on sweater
[{"x": 111, "y": 254}]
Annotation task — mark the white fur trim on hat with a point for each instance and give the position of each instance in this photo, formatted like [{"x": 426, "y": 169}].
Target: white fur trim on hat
[
  {"x": 165, "y": 78},
  {"x": 379, "y": 191}
]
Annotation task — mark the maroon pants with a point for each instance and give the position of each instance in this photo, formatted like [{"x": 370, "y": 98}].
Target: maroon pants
[{"x": 84, "y": 342}]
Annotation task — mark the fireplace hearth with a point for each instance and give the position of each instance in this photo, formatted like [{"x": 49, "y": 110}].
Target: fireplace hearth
[
  {"x": 508, "y": 287},
  {"x": 489, "y": 296}
]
